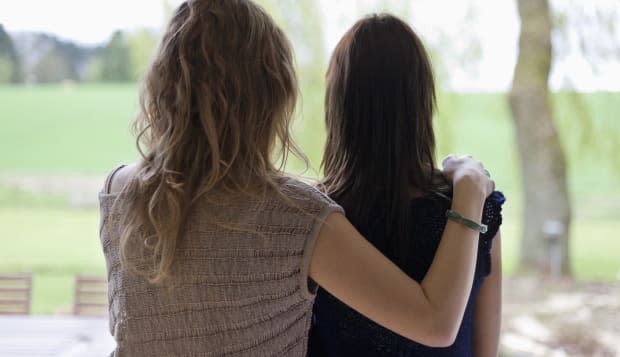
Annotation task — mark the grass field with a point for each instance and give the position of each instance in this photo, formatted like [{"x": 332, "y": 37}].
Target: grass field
[
  {"x": 84, "y": 130},
  {"x": 70, "y": 129}
]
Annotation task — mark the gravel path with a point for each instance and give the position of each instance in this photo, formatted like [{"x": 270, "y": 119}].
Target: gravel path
[
  {"x": 546, "y": 317},
  {"x": 81, "y": 190}
]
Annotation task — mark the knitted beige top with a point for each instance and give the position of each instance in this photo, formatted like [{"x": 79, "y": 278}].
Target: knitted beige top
[{"x": 241, "y": 293}]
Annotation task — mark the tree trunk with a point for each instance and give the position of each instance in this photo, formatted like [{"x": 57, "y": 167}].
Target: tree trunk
[{"x": 547, "y": 213}]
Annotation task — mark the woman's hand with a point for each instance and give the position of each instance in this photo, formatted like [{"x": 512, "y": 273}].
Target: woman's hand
[{"x": 468, "y": 175}]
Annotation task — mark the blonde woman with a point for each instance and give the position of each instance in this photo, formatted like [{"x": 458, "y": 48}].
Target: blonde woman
[{"x": 211, "y": 249}]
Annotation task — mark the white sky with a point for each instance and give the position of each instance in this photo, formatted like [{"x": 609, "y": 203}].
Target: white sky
[
  {"x": 495, "y": 24},
  {"x": 84, "y": 21}
]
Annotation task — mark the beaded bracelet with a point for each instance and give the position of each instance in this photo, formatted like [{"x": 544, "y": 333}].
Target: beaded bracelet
[{"x": 482, "y": 228}]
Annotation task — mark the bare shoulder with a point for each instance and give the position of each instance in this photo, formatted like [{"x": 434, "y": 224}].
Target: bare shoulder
[{"x": 122, "y": 176}]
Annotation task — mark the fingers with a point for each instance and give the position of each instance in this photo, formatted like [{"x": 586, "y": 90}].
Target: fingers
[
  {"x": 451, "y": 160},
  {"x": 455, "y": 166},
  {"x": 447, "y": 159}
]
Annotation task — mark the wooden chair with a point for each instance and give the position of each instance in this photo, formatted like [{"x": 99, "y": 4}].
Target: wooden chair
[
  {"x": 91, "y": 296},
  {"x": 15, "y": 294}
]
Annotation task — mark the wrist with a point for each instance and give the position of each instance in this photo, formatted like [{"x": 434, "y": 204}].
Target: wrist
[
  {"x": 468, "y": 200},
  {"x": 467, "y": 189},
  {"x": 471, "y": 224}
]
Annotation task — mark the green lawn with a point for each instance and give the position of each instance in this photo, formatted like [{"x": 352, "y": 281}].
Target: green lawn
[{"x": 85, "y": 130}]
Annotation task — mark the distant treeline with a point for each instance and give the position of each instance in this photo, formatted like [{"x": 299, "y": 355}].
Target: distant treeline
[{"x": 42, "y": 58}]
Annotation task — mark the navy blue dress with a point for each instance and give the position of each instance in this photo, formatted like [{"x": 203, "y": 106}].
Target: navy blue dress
[{"x": 338, "y": 330}]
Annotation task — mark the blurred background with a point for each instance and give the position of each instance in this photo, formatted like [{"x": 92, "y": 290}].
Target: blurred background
[{"x": 542, "y": 113}]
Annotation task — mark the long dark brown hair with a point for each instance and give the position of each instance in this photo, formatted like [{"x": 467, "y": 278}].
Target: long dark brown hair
[
  {"x": 380, "y": 142},
  {"x": 216, "y": 107}
]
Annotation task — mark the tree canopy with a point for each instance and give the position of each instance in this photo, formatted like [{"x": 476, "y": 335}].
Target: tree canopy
[{"x": 9, "y": 60}]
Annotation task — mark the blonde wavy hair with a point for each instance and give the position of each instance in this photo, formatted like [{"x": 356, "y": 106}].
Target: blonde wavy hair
[{"x": 216, "y": 106}]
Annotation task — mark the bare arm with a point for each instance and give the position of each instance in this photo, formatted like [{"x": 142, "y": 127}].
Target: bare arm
[
  {"x": 351, "y": 269},
  {"x": 488, "y": 309}
]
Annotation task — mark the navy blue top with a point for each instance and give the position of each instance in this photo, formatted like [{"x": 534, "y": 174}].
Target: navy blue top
[{"x": 338, "y": 330}]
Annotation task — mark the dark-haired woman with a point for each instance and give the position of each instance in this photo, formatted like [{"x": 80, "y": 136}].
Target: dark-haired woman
[
  {"x": 379, "y": 166},
  {"x": 211, "y": 249}
]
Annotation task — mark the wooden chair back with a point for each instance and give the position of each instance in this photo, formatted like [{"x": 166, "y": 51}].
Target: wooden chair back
[
  {"x": 90, "y": 296},
  {"x": 15, "y": 294}
]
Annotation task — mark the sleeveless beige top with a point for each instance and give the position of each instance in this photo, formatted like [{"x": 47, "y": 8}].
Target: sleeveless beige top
[{"x": 241, "y": 293}]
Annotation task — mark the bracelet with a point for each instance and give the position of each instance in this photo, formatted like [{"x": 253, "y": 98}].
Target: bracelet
[{"x": 482, "y": 228}]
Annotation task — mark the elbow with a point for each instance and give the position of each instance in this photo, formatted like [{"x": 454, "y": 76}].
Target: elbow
[
  {"x": 441, "y": 333},
  {"x": 441, "y": 340}
]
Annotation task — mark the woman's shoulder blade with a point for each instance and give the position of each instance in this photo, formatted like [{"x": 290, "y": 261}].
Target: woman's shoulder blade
[{"x": 299, "y": 190}]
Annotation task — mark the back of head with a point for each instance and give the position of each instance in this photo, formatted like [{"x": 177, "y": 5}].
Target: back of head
[
  {"x": 221, "y": 89},
  {"x": 216, "y": 103},
  {"x": 379, "y": 106}
]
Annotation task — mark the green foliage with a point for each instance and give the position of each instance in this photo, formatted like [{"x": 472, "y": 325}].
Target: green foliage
[
  {"x": 94, "y": 69},
  {"x": 116, "y": 60},
  {"x": 52, "y": 67},
  {"x": 6, "y": 43},
  {"x": 9, "y": 60},
  {"x": 6, "y": 69},
  {"x": 59, "y": 60},
  {"x": 141, "y": 45},
  {"x": 123, "y": 59}
]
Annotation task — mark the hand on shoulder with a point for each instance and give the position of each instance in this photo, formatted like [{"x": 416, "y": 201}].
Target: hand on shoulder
[{"x": 468, "y": 175}]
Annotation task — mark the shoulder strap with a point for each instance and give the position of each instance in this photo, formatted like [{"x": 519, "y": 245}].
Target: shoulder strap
[{"x": 108, "y": 180}]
